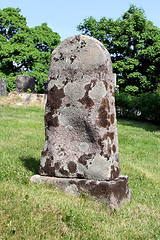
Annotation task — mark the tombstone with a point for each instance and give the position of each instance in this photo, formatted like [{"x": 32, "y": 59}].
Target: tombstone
[
  {"x": 25, "y": 83},
  {"x": 80, "y": 153},
  {"x": 3, "y": 88}
]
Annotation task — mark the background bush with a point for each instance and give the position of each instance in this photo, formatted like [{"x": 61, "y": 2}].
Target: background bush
[{"x": 146, "y": 106}]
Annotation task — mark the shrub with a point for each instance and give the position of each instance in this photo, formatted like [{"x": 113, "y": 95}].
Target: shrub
[
  {"x": 146, "y": 106},
  {"x": 149, "y": 106}
]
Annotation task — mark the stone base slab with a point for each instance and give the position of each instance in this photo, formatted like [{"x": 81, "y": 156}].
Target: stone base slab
[{"x": 114, "y": 192}]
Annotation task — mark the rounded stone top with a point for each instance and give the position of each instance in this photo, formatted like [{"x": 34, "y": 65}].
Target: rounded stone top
[{"x": 82, "y": 52}]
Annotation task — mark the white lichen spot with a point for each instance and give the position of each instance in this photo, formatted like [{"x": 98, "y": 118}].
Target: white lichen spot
[
  {"x": 98, "y": 91},
  {"x": 74, "y": 90},
  {"x": 68, "y": 128},
  {"x": 50, "y": 85},
  {"x": 43, "y": 161},
  {"x": 71, "y": 189},
  {"x": 84, "y": 147},
  {"x": 69, "y": 116},
  {"x": 45, "y": 146},
  {"x": 96, "y": 169}
]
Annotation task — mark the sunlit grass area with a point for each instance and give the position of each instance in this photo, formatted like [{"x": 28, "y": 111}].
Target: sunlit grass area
[{"x": 29, "y": 211}]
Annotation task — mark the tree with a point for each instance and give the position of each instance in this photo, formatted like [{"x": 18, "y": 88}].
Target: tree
[
  {"x": 24, "y": 50},
  {"x": 134, "y": 45}
]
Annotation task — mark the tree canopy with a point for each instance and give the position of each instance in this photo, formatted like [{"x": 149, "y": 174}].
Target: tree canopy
[
  {"x": 134, "y": 45},
  {"x": 24, "y": 50}
]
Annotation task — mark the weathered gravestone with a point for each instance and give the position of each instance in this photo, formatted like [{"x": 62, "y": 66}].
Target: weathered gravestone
[
  {"x": 81, "y": 143},
  {"x": 25, "y": 83},
  {"x": 3, "y": 88}
]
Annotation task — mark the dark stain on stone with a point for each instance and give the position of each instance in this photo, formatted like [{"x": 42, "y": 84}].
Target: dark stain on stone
[
  {"x": 55, "y": 97},
  {"x": 68, "y": 105},
  {"x": 98, "y": 189},
  {"x": 112, "y": 118},
  {"x": 57, "y": 165},
  {"x": 114, "y": 172},
  {"x": 100, "y": 143},
  {"x": 44, "y": 152},
  {"x": 72, "y": 58},
  {"x": 83, "y": 159},
  {"x": 47, "y": 170},
  {"x": 72, "y": 167},
  {"x": 103, "y": 121},
  {"x": 50, "y": 121},
  {"x": 103, "y": 113},
  {"x": 106, "y": 85},
  {"x": 114, "y": 148},
  {"x": 61, "y": 56},
  {"x": 86, "y": 100},
  {"x": 101, "y": 68},
  {"x": 56, "y": 59},
  {"x": 106, "y": 156},
  {"x": 104, "y": 189},
  {"x": 63, "y": 171},
  {"x": 90, "y": 132},
  {"x": 72, "y": 73},
  {"x": 117, "y": 157},
  {"x": 55, "y": 122},
  {"x": 110, "y": 135},
  {"x": 83, "y": 43},
  {"x": 79, "y": 175},
  {"x": 106, "y": 102},
  {"x": 105, "y": 70},
  {"x": 109, "y": 149},
  {"x": 120, "y": 190},
  {"x": 65, "y": 82},
  {"x": 62, "y": 150}
]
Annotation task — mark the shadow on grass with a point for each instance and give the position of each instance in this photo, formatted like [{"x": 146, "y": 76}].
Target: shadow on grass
[
  {"x": 148, "y": 126},
  {"x": 31, "y": 164}
]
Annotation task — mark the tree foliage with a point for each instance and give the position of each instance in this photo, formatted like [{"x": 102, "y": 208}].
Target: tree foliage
[
  {"x": 134, "y": 45},
  {"x": 24, "y": 50}
]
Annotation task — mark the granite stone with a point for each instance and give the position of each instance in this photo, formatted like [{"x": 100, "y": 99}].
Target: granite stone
[
  {"x": 3, "y": 87},
  {"x": 115, "y": 192},
  {"x": 25, "y": 83},
  {"x": 80, "y": 153},
  {"x": 80, "y": 117}
]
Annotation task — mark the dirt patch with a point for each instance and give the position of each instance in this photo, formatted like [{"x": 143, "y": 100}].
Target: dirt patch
[{"x": 18, "y": 99}]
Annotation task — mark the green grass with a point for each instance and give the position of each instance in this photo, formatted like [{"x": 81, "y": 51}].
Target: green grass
[{"x": 29, "y": 211}]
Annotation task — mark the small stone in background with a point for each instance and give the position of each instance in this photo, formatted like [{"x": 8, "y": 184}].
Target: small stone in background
[
  {"x": 25, "y": 83},
  {"x": 3, "y": 88}
]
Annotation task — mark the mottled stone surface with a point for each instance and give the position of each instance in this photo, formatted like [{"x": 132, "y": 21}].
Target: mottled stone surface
[
  {"x": 80, "y": 118},
  {"x": 3, "y": 88},
  {"x": 115, "y": 192},
  {"x": 23, "y": 83}
]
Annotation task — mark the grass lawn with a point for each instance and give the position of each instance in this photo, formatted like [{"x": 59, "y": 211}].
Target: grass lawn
[{"x": 29, "y": 211}]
